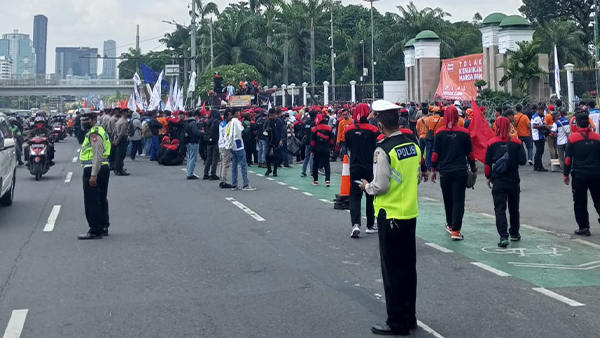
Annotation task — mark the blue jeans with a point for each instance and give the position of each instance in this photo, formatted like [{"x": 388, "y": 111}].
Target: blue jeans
[
  {"x": 429, "y": 150},
  {"x": 262, "y": 151},
  {"x": 192, "y": 155},
  {"x": 154, "y": 148},
  {"x": 528, "y": 142},
  {"x": 147, "y": 144},
  {"x": 239, "y": 157},
  {"x": 308, "y": 160}
]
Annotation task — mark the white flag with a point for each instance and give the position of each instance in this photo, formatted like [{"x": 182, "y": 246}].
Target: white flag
[
  {"x": 556, "y": 74},
  {"x": 169, "y": 104},
  {"x": 270, "y": 106},
  {"x": 156, "y": 92},
  {"x": 192, "y": 86},
  {"x": 180, "y": 105},
  {"x": 199, "y": 103},
  {"x": 131, "y": 104},
  {"x": 101, "y": 105},
  {"x": 136, "y": 79}
]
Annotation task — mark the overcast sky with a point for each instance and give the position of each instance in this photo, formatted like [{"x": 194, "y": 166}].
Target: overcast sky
[{"x": 73, "y": 23}]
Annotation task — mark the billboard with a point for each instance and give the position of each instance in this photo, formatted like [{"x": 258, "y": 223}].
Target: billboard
[{"x": 458, "y": 76}]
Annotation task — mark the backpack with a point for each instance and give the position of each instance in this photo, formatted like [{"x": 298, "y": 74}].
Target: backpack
[
  {"x": 146, "y": 131},
  {"x": 501, "y": 164},
  {"x": 131, "y": 129},
  {"x": 431, "y": 133}
]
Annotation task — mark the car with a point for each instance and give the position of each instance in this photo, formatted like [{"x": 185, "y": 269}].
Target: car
[{"x": 8, "y": 163}]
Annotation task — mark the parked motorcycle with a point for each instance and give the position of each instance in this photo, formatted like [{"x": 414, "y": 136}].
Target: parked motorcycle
[{"x": 39, "y": 164}]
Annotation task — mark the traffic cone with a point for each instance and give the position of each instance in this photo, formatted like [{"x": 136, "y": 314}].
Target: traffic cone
[{"x": 342, "y": 200}]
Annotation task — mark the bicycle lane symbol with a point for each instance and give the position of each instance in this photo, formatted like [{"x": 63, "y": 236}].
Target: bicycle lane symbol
[{"x": 547, "y": 250}]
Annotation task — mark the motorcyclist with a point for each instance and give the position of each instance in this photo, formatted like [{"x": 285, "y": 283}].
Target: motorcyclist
[{"x": 40, "y": 130}]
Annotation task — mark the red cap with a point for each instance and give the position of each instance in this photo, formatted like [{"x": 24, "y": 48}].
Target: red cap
[{"x": 551, "y": 107}]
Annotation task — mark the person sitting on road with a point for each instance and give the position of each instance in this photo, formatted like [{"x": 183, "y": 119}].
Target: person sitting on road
[
  {"x": 172, "y": 155},
  {"x": 163, "y": 147}
]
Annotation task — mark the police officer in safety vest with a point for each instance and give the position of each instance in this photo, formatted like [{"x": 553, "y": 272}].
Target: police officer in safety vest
[
  {"x": 398, "y": 169},
  {"x": 94, "y": 160}
]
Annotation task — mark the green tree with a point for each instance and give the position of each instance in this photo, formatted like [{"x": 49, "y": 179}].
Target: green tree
[
  {"x": 522, "y": 65},
  {"x": 567, "y": 37},
  {"x": 231, "y": 73},
  {"x": 203, "y": 13}
]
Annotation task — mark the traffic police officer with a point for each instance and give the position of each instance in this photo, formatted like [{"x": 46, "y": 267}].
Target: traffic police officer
[
  {"x": 398, "y": 169},
  {"x": 94, "y": 160}
]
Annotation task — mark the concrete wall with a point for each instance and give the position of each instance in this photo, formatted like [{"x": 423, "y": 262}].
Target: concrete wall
[{"x": 429, "y": 78}]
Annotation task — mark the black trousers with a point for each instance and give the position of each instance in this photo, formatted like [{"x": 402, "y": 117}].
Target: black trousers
[
  {"x": 112, "y": 156},
  {"x": 212, "y": 159},
  {"x": 136, "y": 148},
  {"x": 454, "y": 186},
  {"x": 398, "y": 252},
  {"x": 321, "y": 160},
  {"x": 274, "y": 159},
  {"x": 505, "y": 193},
  {"x": 120, "y": 156},
  {"x": 357, "y": 174},
  {"x": 95, "y": 200},
  {"x": 580, "y": 186},
  {"x": 539, "y": 152}
]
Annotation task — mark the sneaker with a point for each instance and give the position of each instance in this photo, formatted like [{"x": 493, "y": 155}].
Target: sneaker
[
  {"x": 205, "y": 177},
  {"x": 193, "y": 177},
  {"x": 515, "y": 238},
  {"x": 583, "y": 232},
  {"x": 268, "y": 173},
  {"x": 287, "y": 166},
  {"x": 213, "y": 178},
  {"x": 315, "y": 182},
  {"x": 274, "y": 174},
  {"x": 327, "y": 184},
  {"x": 530, "y": 162},
  {"x": 235, "y": 188},
  {"x": 355, "y": 232},
  {"x": 372, "y": 230},
  {"x": 303, "y": 175},
  {"x": 503, "y": 242},
  {"x": 448, "y": 229},
  {"x": 248, "y": 188},
  {"x": 457, "y": 236}
]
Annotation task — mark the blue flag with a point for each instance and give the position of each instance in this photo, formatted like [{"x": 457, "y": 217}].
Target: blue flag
[{"x": 151, "y": 76}]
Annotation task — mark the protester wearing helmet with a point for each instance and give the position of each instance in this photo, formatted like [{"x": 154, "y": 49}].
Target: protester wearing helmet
[{"x": 40, "y": 130}]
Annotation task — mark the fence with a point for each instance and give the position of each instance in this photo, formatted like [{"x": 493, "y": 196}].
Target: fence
[
  {"x": 342, "y": 94},
  {"x": 585, "y": 82}
]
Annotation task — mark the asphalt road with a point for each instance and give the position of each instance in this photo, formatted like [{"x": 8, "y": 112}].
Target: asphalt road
[{"x": 187, "y": 259}]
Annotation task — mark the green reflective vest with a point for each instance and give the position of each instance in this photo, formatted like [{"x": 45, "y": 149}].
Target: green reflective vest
[
  {"x": 87, "y": 152},
  {"x": 400, "y": 202}
]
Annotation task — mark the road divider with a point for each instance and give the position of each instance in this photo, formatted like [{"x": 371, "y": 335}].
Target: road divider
[
  {"x": 69, "y": 176},
  {"x": 558, "y": 297},
  {"x": 245, "y": 209},
  {"x": 15, "y": 324},
  {"x": 52, "y": 218}
]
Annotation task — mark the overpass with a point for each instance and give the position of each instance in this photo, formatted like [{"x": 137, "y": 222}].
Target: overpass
[{"x": 68, "y": 87}]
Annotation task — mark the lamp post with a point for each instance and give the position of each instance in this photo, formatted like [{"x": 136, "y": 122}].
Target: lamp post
[
  {"x": 332, "y": 55},
  {"x": 596, "y": 47},
  {"x": 372, "y": 50},
  {"x": 292, "y": 86},
  {"x": 362, "y": 43},
  {"x": 193, "y": 42}
]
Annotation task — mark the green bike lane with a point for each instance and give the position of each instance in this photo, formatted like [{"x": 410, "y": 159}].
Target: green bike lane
[{"x": 540, "y": 258}]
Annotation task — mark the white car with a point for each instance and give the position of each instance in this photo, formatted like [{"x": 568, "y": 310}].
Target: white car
[{"x": 8, "y": 162}]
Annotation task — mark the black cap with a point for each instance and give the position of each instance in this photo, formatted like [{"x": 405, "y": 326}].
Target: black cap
[{"x": 582, "y": 120}]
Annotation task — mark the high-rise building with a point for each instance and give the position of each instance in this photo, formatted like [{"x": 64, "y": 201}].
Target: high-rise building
[
  {"x": 109, "y": 66},
  {"x": 40, "y": 38},
  {"x": 6, "y": 65},
  {"x": 76, "y": 61},
  {"x": 19, "y": 48}
]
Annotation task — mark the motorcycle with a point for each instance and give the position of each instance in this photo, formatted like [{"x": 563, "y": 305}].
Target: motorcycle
[
  {"x": 39, "y": 163},
  {"x": 58, "y": 131}
]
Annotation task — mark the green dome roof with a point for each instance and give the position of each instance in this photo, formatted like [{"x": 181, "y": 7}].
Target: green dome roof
[
  {"x": 494, "y": 19},
  {"x": 410, "y": 43},
  {"x": 427, "y": 35},
  {"x": 515, "y": 21}
]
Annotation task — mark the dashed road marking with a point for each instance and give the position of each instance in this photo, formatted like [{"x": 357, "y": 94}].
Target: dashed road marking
[
  {"x": 558, "y": 297},
  {"x": 250, "y": 171},
  {"x": 429, "y": 199},
  {"x": 294, "y": 188},
  {"x": 282, "y": 183},
  {"x": 74, "y": 159},
  {"x": 15, "y": 324},
  {"x": 439, "y": 247},
  {"x": 429, "y": 330},
  {"x": 245, "y": 209},
  {"x": 69, "y": 176},
  {"x": 78, "y": 149},
  {"x": 487, "y": 215},
  {"x": 270, "y": 179},
  {"x": 584, "y": 242},
  {"x": 490, "y": 269},
  {"x": 307, "y": 193},
  {"x": 52, "y": 218},
  {"x": 531, "y": 227},
  {"x": 260, "y": 175},
  {"x": 323, "y": 200}
]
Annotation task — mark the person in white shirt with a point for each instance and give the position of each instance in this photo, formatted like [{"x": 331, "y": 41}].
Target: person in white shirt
[
  {"x": 238, "y": 154},
  {"x": 561, "y": 129},
  {"x": 537, "y": 123},
  {"x": 225, "y": 153}
]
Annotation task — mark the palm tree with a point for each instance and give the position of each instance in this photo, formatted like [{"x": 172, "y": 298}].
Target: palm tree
[
  {"x": 352, "y": 53},
  {"x": 294, "y": 32},
  {"x": 567, "y": 37},
  {"x": 312, "y": 11},
  {"x": 522, "y": 65}
]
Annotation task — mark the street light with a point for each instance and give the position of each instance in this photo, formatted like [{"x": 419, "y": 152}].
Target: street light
[
  {"x": 362, "y": 43},
  {"x": 372, "y": 50}
]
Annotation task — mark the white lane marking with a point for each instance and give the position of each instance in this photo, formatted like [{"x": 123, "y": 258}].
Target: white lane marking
[
  {"x": 270, "y": 179},
  {"x": 74, "y": 159},
  {"x": 69, "y": 176},
  {"x": 584, "y": 242},
  {"x": 307, "y": 193},
  {"x": 250, "y": 171},
  {"x": 260, "y": 175},
  {"x": 52, "y": 218},
  {"x": 184, "y": 169},
  {"x": 282, "y": 183},
  {"x": 15, "y": 324},
  {"x": 487, "y": 215},
  {"x": 323, "y": 200},
  {"x": 558, "y": 297},
  {"x": 429, "y": 199},
  {"x": 531, "y": 227},
  {"x": 78, "y": 149},
  {"x": 245, "y": 209},
  {"x": 490, "y": 269},
  {"x": 429, "y": 330},
  {"x": 294, "y": 188},
  {"x": 439, "y": 247}
]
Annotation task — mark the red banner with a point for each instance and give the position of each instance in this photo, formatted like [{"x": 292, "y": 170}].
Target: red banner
[{"x": 458, "y": 76}]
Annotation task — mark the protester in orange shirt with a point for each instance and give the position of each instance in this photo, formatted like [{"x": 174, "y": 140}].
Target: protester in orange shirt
[
  {"x": 523, "y": 125},
  {"x": 434, "y": 123},
  {"x": 341, "y": 135},
  {"x": 551, "y": 139},
  {"x": 422, "y": 130}
]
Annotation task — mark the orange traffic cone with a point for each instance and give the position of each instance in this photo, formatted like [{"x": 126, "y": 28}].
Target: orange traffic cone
[{"x": 342, "y": 200}]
